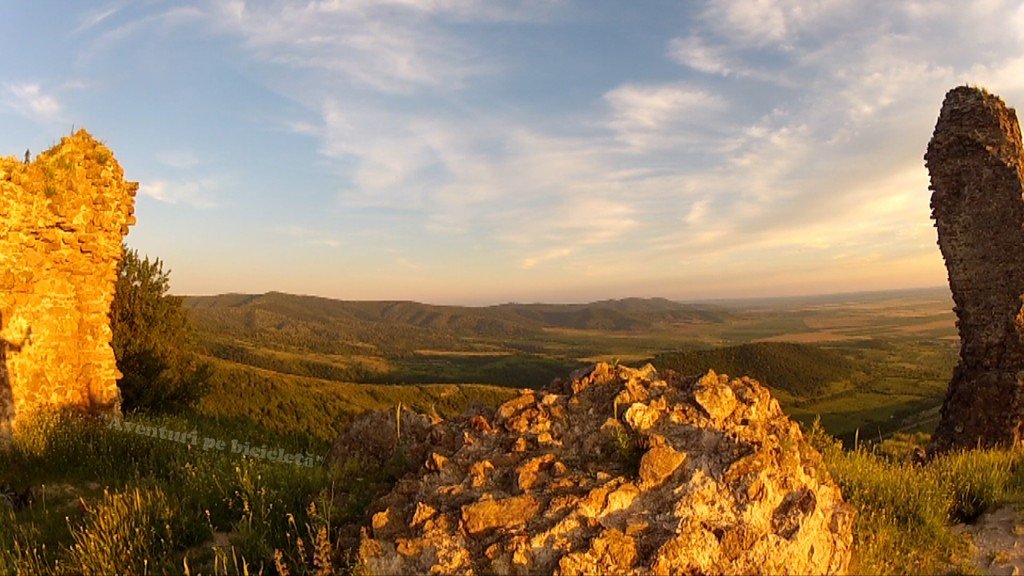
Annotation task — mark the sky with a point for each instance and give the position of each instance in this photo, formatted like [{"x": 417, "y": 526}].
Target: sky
[{"x": 478, "y": 151}]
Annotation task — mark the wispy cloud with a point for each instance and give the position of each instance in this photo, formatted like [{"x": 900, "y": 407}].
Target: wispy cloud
[
  {"x": 720, "y": 54},
  {"x": 781, "y": 23},
  {"x": 96, "y": 17},
  {"x": 697, "y": 213},
  {"x": 531, "y": 262},
  {"x": 200, "y": 193},
  {"x": 31, "y": 101},
  {"x": 105, "y": 31},
  {"x": 696, "y": 53},
  {"x": 392, "y": 47},
  {"x": 75, "y": 85},
  {"x": 651, "y": 116}
]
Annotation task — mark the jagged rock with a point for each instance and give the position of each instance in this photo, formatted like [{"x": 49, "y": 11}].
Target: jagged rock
[
  {"x": 62, "y": 220},
  {"x": 618, "y": 471},
  {"x": 975, "y": 162}
]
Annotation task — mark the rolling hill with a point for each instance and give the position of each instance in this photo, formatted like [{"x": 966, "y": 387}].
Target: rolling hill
[{"x": 395, "y": 327}]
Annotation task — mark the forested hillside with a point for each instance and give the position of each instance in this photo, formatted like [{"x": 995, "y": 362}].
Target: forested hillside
[{"x": 800, "y": 369}]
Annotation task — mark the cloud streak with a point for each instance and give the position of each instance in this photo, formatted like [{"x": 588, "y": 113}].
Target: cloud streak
[
  {"x": 96, "y": 17},
  {"x": 645, "y": 117},
  {"x": 391, "y": 47},
  {"x": 200, "y": 193}
]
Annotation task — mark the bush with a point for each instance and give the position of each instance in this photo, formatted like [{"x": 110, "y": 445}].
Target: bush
[{"x": 153, "y": 340}]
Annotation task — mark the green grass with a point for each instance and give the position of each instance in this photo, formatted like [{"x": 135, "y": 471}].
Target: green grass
[
  {"x": 109, "y": 500},
  {"x": 120, "y": 502},
  {"x": 115, "y": 493},
  {"x": 137, "y": 530},
  {"x": 906, "y": 511}
]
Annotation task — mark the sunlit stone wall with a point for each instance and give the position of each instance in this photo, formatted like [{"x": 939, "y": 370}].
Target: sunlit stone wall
[{"x": 63, "y": 218}]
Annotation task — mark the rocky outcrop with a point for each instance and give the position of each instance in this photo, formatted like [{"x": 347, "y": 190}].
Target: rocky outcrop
[
  {"x": 975, "y": 163},
  {"x": 617, "y": 471},
  {"x": 62, "y": 221}
]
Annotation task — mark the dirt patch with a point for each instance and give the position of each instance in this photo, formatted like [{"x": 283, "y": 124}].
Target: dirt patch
[{"x": 997, "y": 540}]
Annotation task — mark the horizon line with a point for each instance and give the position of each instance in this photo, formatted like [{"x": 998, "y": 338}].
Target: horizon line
[{"x": 705, "y": 300}]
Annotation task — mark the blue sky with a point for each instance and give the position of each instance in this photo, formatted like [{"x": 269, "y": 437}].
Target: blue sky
[{"x": 475, "y": 151}]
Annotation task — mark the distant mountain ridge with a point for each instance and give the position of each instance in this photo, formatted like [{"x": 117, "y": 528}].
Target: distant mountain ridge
[{"x": 340, "y": 326}]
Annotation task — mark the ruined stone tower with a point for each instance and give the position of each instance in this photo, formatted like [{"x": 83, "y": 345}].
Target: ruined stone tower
[
  {"x": 62, "y": 221},
  {"x": 975, "y": 163}
]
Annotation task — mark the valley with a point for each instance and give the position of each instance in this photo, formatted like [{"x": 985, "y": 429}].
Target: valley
[{"x": 867, "y": 365}]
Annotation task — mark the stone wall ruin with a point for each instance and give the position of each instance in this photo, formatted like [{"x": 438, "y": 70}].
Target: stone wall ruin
[
  {"x": 62, "y": 221},
  {"x": 975, "y": 162}
]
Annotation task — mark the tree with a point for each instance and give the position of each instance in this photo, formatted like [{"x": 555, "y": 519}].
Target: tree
[{"x": 154, "y": 340}]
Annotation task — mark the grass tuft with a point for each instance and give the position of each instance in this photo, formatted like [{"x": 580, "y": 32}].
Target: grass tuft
[
  {"x": 137, "y": 531},
  {"x": 906, "y": 511}
]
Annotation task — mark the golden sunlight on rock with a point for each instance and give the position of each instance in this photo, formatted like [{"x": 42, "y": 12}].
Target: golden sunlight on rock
[
  {"x": 62, "y": 221},
  {"x": 618, "y": 471}
]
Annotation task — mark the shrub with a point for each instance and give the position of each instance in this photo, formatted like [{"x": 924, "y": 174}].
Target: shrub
[{"x": 153, "y": 340}]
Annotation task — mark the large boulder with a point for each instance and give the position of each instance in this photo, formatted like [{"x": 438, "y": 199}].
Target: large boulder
[
  {"x": 975, "y": 162},
  {"x": 618, "y": 470}
]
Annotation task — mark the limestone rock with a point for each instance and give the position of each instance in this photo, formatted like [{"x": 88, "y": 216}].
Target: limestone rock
[
  {"x": 659, "y": 463},
  {"x": 507, "y": 512},
  {"x": 975, "y": 162},
  {"x": 62, "y": 221},
  {"x": 697, "y": 475}
]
